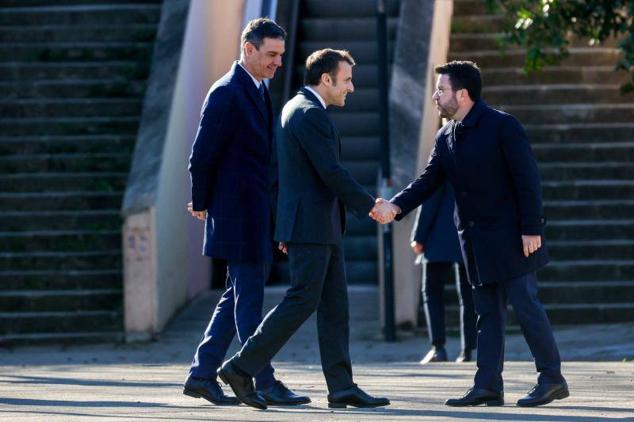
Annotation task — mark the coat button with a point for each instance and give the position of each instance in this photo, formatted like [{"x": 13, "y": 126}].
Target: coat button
[{"x": 471, "y": 223}]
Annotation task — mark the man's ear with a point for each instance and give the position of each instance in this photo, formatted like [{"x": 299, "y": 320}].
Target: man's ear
[
  {"x": 326, "y": 79},
  {"x": 248, "y": 48}
]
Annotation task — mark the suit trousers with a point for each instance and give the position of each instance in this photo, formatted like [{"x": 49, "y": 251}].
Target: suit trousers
[
  {"x": 238, "y": 311},
  {"x": 318, "y": 283},
  {"x": 490, "y": 303},
  {"x": 435, "y": 275}
]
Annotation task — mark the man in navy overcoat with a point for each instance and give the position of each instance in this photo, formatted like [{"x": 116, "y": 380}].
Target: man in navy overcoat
[
  {"x": 485, "y": 155},
  {"x": 233, "y": 191}
]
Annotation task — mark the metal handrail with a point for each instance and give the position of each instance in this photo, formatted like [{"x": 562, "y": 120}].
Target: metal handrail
[{"x": 290, "y": 51}]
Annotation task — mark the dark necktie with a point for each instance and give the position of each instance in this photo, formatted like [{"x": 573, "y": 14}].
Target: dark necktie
[{"x": 261, "y": 89}]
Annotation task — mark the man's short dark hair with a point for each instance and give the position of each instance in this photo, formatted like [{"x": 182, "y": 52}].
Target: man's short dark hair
[
  {"x": 463, "y": 75},
  {"x": 325, "y": 61},
  {"x": 258, "y": 29}
]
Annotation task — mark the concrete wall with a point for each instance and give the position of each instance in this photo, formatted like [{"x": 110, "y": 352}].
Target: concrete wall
[
  {"x": 163, "y": 266},
  {"x": 422, "y": 42}
]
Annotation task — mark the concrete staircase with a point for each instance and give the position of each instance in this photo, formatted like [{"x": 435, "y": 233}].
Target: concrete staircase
[
  {"x": 582, "y": 133},
  {"x": 351, "y": 25},
  {"x": 72, "y": 78}
]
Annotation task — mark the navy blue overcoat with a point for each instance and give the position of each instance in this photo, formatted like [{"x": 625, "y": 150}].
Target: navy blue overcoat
[
  {"x": 231, "y": 170},
  {"x": 435, "y": 228},
  {"x": 488, "y": 161}
]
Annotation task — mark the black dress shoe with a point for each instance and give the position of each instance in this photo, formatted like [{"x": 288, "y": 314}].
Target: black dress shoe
[
  {"x": 435, "y": 354},
  {"x": 279, "y": 395},
  {"x": 209, "y": 390},
  {"x": 544, "y": 394},
  {"x": 476, "y": 397},
  {"x": 464, "y": 356},
  {"x": 356, "y": 397},
  {"x": 242, "y": 385}
]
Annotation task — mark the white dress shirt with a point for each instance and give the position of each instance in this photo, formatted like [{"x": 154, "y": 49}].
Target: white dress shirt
[{"x": 321, "y": 100}]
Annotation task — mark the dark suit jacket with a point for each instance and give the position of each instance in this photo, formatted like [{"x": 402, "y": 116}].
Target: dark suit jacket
[
  {"x": 314, "y": 188},
  {"x": 230, "y": 169},
  {"x": 435, "y": 227},
  {"x": 488, "y": 161}
]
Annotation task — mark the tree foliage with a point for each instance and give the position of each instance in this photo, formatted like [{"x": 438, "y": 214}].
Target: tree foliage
[{"x": 546, "y": 27}]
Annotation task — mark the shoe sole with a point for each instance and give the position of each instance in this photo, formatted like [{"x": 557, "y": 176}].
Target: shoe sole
[
  {"x": 559, "y": 396},
  {"x": 272, "y": 403},
  {"x": 345, "y": 405},
  {"x": 490, "y": 403},
  {"x": 195, "y": 395}
]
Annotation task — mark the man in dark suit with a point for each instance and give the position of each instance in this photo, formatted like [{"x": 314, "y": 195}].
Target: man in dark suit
[
  {"x": 232, "y": 191},
  {"x": 485, "y": 155},
  {"x": 435, "y": 241},
  {"x": 313, "y": 189}
]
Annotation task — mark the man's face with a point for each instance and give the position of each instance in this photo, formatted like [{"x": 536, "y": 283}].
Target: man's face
[
  {"x": 341, "y": 85},
  {"x": 263, "y": 62},
  {"x": 445, "y": 97}
]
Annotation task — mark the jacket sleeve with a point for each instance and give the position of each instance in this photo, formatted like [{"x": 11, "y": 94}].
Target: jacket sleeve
[
  {"x": 217, "y": 123},
  {"x": 426, "y": 217},
  {"x": 423, "y": 187},
  {"x": 523, "y": 169},
  {"x": 314, "y": 133}
]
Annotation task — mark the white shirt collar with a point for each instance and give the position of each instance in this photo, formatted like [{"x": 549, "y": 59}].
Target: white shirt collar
[
  {"x": 255, "y": 81},
  {"x": 321, "y": 100}
]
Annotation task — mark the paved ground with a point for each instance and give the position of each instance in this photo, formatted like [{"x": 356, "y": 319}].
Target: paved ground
[{"x": 143, "y": 381}]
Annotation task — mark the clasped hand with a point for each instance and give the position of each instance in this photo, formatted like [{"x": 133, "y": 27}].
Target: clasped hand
[{"x": 384, "y": 211}]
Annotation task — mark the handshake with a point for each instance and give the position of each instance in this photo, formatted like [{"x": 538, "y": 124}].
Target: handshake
[{"x": 384, "y": 211}]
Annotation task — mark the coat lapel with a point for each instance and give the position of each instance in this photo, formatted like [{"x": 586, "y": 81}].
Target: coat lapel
[{"x": 252, "y": 92}]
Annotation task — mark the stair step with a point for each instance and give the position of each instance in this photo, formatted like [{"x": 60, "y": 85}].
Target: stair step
[
  {"x": 579, "y": 56},
  {"x": 70, "y": 338},
  {"x": 69, "y": 144},
  {"x": 69, "y": 126},
  {"x": 580, "y": 132},
  {"x": 81, "y": 15},
  {"x": 361, "y": 124},
  {"x": 481, "y": 23},
  {"x": 323, "y": 29},
  {"x": 347, "y": 9},
  {"x": 91, "y": 260},
  {"x": 557, "y": 96},
  {"x": 588, "y": 269},
  {"x": 51, "y": 201},
  {"x": 61, "y": 279},
  {"x": 558, "y": 113},
  {"x": 41, "y": 182},
  {"x": 362, "y": 51},
  {"x": 60, "y": 240},
  {"x": 361, "y": 100},
  {"x": 588, "y": 189},
  {"x": 470, "y": 7},
  {"x": 59, "y": 322},
  {"x": 115, "y": 71},
  {"x": 516, "y": 76},
  {"x": 585, "y": 170},
  {"x": 112, "y": 162},
  {"x": 589, "y": 209},
  {"x": 47, "y": 90},
  {"x": 589, "y": 229},
  {"x": 360, "y": 148},
  {"x": 464, "y": 42},
  {"x": 75, "y": 51},
  {"x": 77, "y": 33},
  {"x": 364, "y": 172},
  {"x": 621, "y": 249},
  {"x": 599, "y": 152},
  {"x": 63, "y": 108},
  {"x": 60, "y": 300},
  {"x": 61, "y": 220},
  {"x": 41, "y": 3}
]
